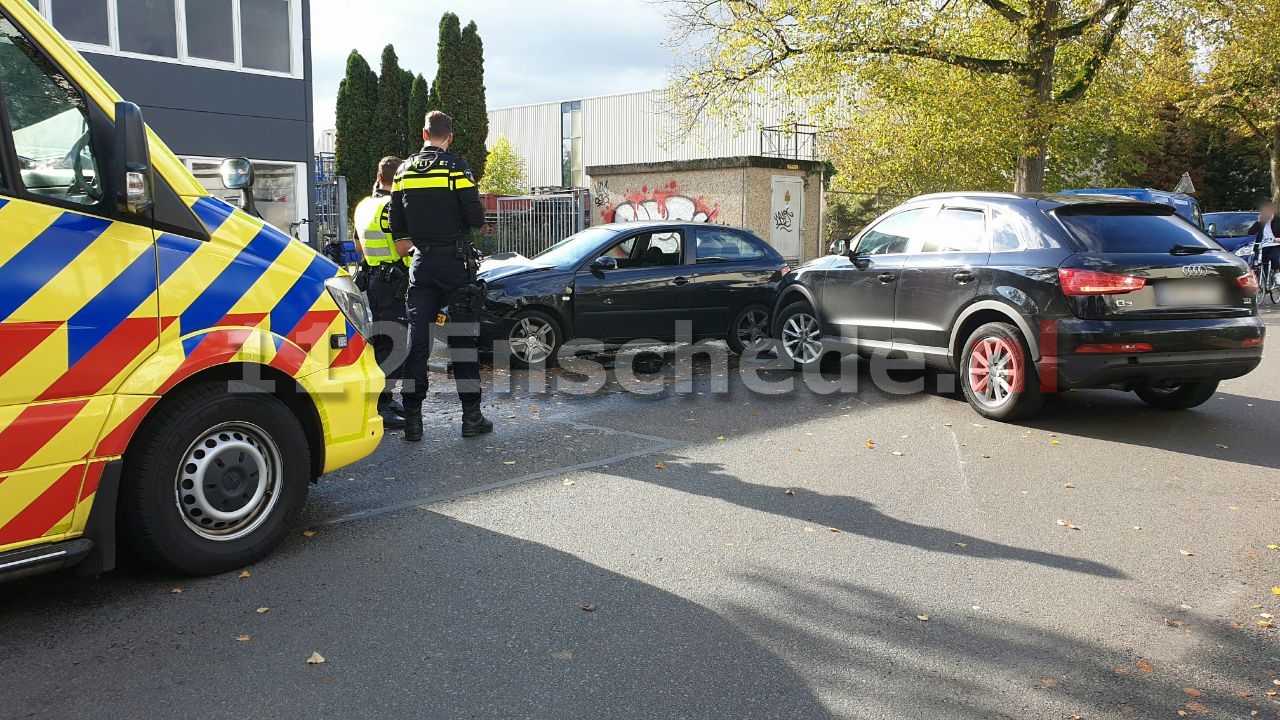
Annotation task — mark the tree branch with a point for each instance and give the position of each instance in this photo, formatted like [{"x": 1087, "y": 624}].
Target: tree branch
[
  {"x": 1005, "y": 10},
  {"x": 1078, "y": 28},
  {"x": 1089, "y": 72}
]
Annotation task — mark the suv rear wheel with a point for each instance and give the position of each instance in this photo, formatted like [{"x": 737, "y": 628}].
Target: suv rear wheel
[
  {"x": 1178, "y": 397},
  {"x": 997, "y": 375}
]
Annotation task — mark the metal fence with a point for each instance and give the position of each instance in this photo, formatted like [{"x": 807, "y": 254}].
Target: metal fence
[
  {"x": 329, "y": 211},
  {"x": 532, "y": 223},
  {"x": 849, "y": 212}
]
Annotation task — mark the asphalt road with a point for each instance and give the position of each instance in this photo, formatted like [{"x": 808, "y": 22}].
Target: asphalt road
[{"x": 623, "y": 556}]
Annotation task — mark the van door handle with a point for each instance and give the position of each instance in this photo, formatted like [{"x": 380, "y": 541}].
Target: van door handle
[
  {"x": 680, "y": 281},
  {"x": 964, "y": 277},
  {"x": 887, "y": 278}
]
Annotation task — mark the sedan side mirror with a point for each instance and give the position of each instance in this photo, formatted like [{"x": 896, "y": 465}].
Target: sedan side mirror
[
  {"x": 604, "y": 263},
  {"x": 862, "y": 262},
  {"x": 133, "y": 176}
]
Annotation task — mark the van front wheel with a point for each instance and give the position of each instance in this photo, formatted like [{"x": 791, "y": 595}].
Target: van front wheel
[{"x": 213, "y": 480}]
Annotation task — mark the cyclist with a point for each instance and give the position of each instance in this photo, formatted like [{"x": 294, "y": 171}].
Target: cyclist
[{"x": 1265, "y": 232}]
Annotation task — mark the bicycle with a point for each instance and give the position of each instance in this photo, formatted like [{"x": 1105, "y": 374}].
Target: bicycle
[{"x": 1268, "y": 280}]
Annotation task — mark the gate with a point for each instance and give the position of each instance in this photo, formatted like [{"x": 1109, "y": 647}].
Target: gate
[{"x": 532, "y": 223}]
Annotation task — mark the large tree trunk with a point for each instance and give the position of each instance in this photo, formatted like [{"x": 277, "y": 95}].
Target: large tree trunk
[
  {"x": 1275, "y": 162},
  {"x": 1037, "y": 123}
]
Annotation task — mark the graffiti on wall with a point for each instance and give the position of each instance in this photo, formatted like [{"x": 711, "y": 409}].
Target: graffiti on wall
[
  {"x": 669, "y": 203},
  {"x": 784, "y": 218}
]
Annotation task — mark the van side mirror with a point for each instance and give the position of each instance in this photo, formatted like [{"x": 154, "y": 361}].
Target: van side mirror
[
  {"x": 237, "y": 174},
  {"x": 1212, "y": 229},
  {"x": 132, "y": 174},
  {"x": 604, "y": 263}
]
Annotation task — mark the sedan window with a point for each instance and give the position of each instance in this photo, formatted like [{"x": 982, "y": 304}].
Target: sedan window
[
  {"x": 892, "y": 235},
  {"x": 648, "y": 250},
  {"x": 717, "y": 245}
]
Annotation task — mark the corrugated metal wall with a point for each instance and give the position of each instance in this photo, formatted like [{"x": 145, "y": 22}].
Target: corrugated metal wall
[
  {"x": 534, "y": 130},
  {"x": 636, "y": 128}
]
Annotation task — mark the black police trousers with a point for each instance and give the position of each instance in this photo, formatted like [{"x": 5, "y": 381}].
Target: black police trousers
[
  {"x": 391, "y": 328},
  {"x": 437, "y": 272}
]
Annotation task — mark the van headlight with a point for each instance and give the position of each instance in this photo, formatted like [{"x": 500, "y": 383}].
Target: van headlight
[{"x": 352, "y": 303}]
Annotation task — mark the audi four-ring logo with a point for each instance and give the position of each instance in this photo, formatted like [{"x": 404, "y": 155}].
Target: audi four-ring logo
[{"x": 1196, "y": 270}]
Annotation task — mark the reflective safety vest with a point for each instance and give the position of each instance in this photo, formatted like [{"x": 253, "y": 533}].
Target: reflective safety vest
[{"x": 373, "y": 217}]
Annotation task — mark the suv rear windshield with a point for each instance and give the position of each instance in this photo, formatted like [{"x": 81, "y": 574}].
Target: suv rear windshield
[{"x": 1106, "y": 229}]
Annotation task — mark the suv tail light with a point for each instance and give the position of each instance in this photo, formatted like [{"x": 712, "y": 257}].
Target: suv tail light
[
  {"x": 1092, "y": 282},
  {"x": 1248, "y": 282}
]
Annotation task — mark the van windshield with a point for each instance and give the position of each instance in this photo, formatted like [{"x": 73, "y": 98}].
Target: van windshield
[{"x": 1122, "y": 229}]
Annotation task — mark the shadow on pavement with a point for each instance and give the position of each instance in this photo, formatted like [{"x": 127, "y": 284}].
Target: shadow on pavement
[
  {"x": 417, "y": 616},
  {"x": 886, "y": 663},
  {"x": 856, "y": 516}
]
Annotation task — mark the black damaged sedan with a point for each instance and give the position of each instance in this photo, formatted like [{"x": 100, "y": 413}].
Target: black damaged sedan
[{"x": 615, "y": 284}]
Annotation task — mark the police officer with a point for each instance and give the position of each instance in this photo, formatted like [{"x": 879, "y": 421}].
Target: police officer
[
  {"x": 388, "y": 273},
  {"x": 435, "y": 204}
]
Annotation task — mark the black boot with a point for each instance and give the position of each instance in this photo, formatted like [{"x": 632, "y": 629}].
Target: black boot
[
  {"x": 473, "y": 421},
  {"x": 390, "y": 419},
  {"x": 413, "y": 424}
]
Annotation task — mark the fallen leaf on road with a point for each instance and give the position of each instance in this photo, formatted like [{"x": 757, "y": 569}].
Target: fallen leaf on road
[
  {"x": 176, "y": 591},
  {"x": 1246, "y": 694},
  {"x": 1265, "y": 625},
  {"x": 1236, "y": 626},
  {"x": 1250, "y": 555},
  {"x": 562, "y": 655},
  {"x": 264, "y": 610},
  {"x": 922, "y": 618},
  {"x": 1198, "y": 708},
  {"x": 1067, "y": 524},
  {"x": 962, "y": 545},
  {"x": 1273, "y": 546},
  {"x": 1275, "y": 591},
  {"x": 721, "y": 438},
  {"x": 1183, "y": 713},
  {"x": 1144, "y": 666},
  {"x": 1049, "y": 682},
  {"x": 308, "y": 533},
  {"x": 1055, "y": 442},
  {"x": 588, "y": 608},
  {"x": 1121, "y": 672},
  {"x": 1223, "y": 447},
  {"x": 533, "y": 408},
  {"x": 315, "y": 659},
  {"x": 244, "y": 574},
  {"x": 1186, "y": 553},
  {"x": 508, "y": 462},
  {"x": 834, "y": 530},
  {"x": 243, "y": 638},
  {"x": 568, "y": 482},
  {"x": 1191, "y": 692},
  {"x": 898, "y": 453},
  {"x": 789, "y": 491},
  {"x": 871, "y": 444},
  {"x": 1068, "y": 486},
  {"x": 809, "y": 529}
]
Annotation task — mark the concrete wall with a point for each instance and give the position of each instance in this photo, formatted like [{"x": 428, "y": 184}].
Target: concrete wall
[{"x": 739, "y": 196}]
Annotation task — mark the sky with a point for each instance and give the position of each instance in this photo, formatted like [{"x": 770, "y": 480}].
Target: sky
[{"x": 534, "y": 51}]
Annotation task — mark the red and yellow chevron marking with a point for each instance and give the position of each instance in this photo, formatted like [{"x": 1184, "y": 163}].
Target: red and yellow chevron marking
[{"x": 98, "y": 320}]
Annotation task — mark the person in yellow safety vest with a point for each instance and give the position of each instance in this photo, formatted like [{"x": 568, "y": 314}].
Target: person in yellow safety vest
[{"x": 388, "y": 273}]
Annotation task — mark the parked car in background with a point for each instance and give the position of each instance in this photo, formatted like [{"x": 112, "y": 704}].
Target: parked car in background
[
  {"x": 633, "y": 281},
  {"x": 1231, "y": 229},
  {"x": 1023, "y": 295},
  {"x": 1186, "y": 206}
]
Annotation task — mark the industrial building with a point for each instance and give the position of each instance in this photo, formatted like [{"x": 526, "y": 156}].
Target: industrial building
[
  {"x": 760, "y": 169},
  {"x": 215, "y": 79}
]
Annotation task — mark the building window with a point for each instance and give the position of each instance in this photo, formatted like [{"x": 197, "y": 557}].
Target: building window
[
  {"x": 148, "y": 27},
  {"x": 279, "y": 188},
  {"x": 258, "y": 36},
  {"x": 86, "y": 21},
  {"x": 264, "y": 33},
  {"x": 571, "y": 143},
  {"x": 211, "y": 30}
]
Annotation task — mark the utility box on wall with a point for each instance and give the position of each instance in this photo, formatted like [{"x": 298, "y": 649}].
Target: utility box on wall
[{"x": 779, "y": 200}]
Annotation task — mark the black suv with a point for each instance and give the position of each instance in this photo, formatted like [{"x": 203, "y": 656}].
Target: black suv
[{"x": 1027, "y": 294}]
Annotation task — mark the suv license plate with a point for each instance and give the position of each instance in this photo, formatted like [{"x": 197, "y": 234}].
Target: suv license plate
[{"x": 1190, "y": 294}]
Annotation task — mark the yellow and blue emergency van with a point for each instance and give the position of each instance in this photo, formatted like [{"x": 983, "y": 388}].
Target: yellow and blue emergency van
[{"x": 174, "y": 373}]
